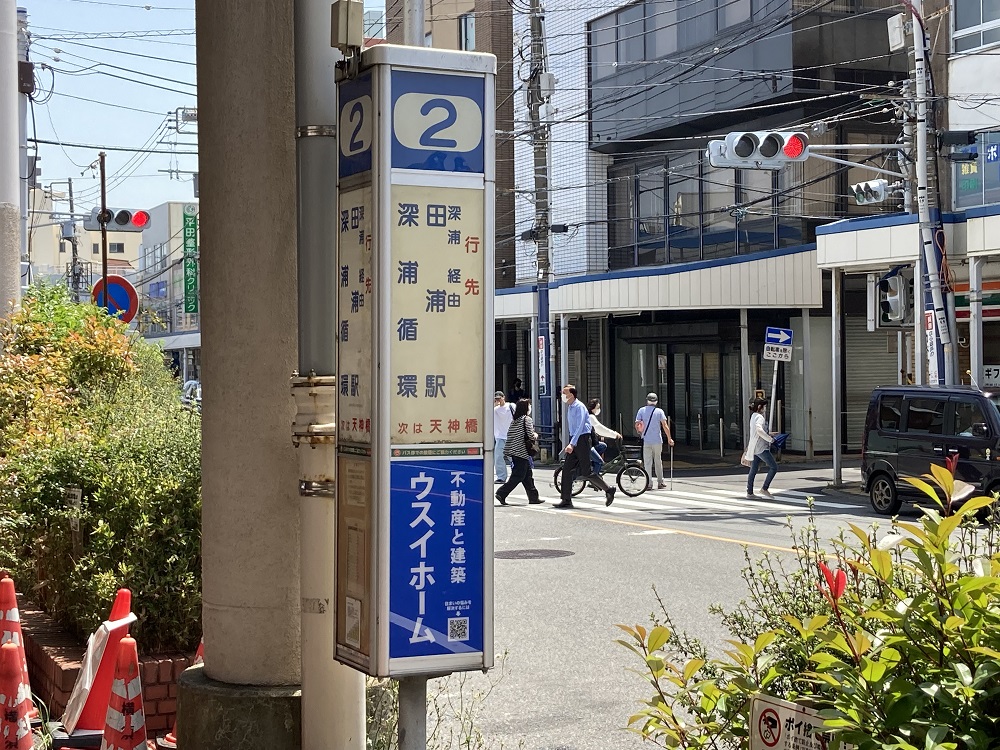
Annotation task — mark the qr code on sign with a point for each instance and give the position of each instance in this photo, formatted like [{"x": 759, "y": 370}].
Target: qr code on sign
[{"x": 458, "y": 628}]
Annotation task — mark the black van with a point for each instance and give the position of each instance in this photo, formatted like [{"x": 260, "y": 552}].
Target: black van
[{"x": 910, "y": 427}]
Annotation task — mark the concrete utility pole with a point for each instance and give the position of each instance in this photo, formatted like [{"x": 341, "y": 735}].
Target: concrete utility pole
[
  {"x": 10, "y": 214},
  {"x": 940, "y": 356},
  {"x": 333, "y": 695},
  {"x": 247, "y": 694},
  {"x": 22, "y": 127},
  {"x": 413, "y": 23},
  {"x": 542, "y": 236},
  {"x": 75, "y": 269}
]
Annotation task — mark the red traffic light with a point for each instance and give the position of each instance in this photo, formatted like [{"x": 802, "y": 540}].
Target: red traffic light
[
  {"x": 140, "y": 219},
  {"x": 794, "y": 146}
]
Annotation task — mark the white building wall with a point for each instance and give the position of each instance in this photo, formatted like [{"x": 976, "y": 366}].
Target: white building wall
[{"x": 578, "y": 176}]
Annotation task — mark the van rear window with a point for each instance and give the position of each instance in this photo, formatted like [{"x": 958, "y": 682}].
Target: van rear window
[
  {"x": 890, "y": 412},
  {"x": 925, "y": 415}
]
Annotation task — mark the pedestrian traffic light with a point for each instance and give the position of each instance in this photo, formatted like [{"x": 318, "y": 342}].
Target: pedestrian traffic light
[
  {"x": 894, "y": 298},
  {"x": 873, "y": 191},
  {"x": 760, "y": 149},
  {"x": 118, "y": 220}
]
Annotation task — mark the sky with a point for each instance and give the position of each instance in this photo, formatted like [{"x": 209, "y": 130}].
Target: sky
[
  {"x": 108, "y": 72},
  {"x": 113, "y": 93}
]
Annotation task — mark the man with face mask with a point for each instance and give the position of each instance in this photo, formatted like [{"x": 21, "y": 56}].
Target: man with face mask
[{"x": 578, "y": 450}]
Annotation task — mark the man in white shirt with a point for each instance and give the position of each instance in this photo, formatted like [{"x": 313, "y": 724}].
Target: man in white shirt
[
  {"x": 649, "y": 421},
  {"x": 503, "y": 415}
]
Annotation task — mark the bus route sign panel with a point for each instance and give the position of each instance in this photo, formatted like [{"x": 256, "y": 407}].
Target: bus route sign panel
[{"x": 415, "y": 336}]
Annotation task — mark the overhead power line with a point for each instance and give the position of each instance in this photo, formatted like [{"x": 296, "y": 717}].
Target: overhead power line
[{"x": 92, "y": 147}]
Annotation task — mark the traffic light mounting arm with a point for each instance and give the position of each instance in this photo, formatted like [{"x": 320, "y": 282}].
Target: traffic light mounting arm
[{"x": 855, "y": 164}]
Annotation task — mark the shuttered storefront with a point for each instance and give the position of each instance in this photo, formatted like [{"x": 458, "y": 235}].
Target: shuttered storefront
[{"x": 870, "y": 360}]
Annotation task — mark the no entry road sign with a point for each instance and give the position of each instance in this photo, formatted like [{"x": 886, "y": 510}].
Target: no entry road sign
[{"x": 121, "y": 299}]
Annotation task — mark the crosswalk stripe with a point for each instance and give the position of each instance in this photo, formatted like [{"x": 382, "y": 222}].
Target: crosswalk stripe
[
  {"x": 683, "y": 500},
  {"x": 803, "y": 501}
]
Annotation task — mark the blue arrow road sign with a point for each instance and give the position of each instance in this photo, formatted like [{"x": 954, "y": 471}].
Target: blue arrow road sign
[{"x": 782, "y": 336}]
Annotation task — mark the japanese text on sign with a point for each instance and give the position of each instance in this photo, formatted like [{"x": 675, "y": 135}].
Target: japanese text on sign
[
  {"x": 437, "y": 538},
  {"x": 190, "y": 237},
  {"x": 776, "y": 724},
  {"x": 777, "y": 352},
  {"x": 436, "y": 326},
  {"x": 354, "y": 325}
]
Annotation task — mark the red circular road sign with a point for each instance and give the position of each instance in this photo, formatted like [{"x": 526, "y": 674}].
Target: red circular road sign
[
  {"x": 122, "y": 300},
  {"x": 769, "y": 727}
]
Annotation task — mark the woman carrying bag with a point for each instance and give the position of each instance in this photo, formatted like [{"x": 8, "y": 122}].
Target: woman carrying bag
[
  {"x": 759, "y": 450},
  {"x": 521, "y": 447}
]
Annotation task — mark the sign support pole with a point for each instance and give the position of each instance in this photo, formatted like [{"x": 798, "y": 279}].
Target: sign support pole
[
  {"x": 774, "y": 395},
  {"x": 104, "y": 228},
  {"x": 413, "y": 713}
]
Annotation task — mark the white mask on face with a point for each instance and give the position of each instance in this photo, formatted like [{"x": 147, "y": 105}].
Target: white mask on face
[
  {"x": 597, "y": 411},
  {"x": 565, "y": 398}
]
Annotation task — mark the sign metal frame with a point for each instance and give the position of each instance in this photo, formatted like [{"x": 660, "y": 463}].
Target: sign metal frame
[{"x": 371, "y": 652}]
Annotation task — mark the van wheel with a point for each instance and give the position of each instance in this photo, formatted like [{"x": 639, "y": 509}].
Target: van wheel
[{"x": 882, "y": 492}]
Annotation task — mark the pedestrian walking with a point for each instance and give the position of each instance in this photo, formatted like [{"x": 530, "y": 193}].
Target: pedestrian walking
[
  {"x": 503, "y": 416},
  {"x": 578, "y": 451},
  {"x": 759, "y": 449},
  {"x": 519, "y": 447},
  {"x": 652, "y": 437}
]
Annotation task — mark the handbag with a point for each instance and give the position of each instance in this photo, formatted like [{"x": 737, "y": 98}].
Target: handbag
[{"x": 529, "y": 443}]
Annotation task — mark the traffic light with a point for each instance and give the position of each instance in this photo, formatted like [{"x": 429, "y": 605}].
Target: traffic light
[
  {"x": 873, "y": 191},
  {"x": 894, "y": 298},
  {"x": 118, "y": 220},
  {"x": 760, "y": 149}
]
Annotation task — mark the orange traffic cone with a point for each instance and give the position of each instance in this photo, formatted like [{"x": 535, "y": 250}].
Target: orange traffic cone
[
  {"x": 10, "y": 632},
  {"x": 125, "y": 726},
  {"x": 15, "y": 727},
  {"x": 170, "y": 740},
  {"x": 88, "y": 703}
]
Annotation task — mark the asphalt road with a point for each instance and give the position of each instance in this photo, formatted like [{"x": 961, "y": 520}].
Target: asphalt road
[{"x": 564, "y": 578}]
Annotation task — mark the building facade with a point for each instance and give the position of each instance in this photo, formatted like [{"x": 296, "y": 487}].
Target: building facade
[
  {"x": 165, "y": 302},
  {"x": 51, "y": 255},
  {"x": 671, "y": 270}
]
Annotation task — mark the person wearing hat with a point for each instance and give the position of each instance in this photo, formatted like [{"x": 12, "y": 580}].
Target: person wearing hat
[
  {"x": 652, "y": 437},
  {"x": 503, "y": 415}
]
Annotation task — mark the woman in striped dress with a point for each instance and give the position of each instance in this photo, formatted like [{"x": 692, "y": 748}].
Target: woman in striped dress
[{"x": 517, "y": 451}]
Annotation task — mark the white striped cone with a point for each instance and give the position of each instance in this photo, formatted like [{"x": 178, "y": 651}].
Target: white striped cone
[
  {"x": 10, "y": 632},
  {"x": 125, "y": 725},
  {"x": 15, "y": 727}
]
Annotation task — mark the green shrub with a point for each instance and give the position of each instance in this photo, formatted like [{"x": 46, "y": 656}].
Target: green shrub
[
  {"x": 84, "y": 404},
  {"x": 894, "y": 639}
]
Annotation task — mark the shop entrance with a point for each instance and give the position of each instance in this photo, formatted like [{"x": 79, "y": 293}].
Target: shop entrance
[{"x": 704, "y": 396}]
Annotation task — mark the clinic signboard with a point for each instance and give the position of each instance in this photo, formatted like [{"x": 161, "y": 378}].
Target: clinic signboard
[{"x": 415, "y": 360}]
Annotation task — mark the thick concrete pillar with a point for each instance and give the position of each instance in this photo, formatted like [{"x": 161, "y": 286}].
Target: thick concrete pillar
[{"x": 250, "y": 514}]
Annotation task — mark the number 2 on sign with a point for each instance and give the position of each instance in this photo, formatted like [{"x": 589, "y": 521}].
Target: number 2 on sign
[
  {"x": 356, "y": 126},
  {"x": 437, "y": 122},
  {"x": 450, "y": 117}
]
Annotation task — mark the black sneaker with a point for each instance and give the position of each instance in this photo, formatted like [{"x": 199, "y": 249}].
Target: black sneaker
[
  {"x": 610, "y": 494},
  {"x": 564, "y": 506},
  {"x": 502, "y": 500}
]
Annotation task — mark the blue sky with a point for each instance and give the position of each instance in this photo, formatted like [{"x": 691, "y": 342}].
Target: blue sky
[{"x": 113, "y": 92}]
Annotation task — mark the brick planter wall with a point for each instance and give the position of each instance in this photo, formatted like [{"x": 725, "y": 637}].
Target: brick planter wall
[{"x": 54, "y": 659}]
